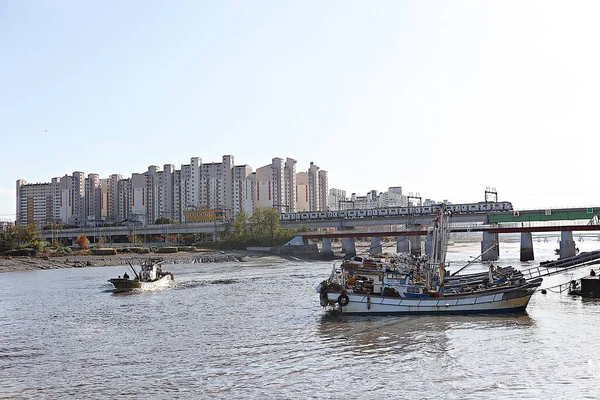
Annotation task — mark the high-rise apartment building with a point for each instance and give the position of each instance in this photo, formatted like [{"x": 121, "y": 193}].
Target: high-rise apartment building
[
  {"x": 289, "y": 186},
  {"x": 336, "y": 199},
  {"x": 93, "y": 196},
  {"x": 34, "y": 203},
  {"x": 323, "y": 178},
  {"x": 145, "y": 197},
  {"x": 314, "y": 199},
  {"x": 216, "y": 181},
  {"x": 243, "y": 190},
  {"x": 114, "y": 213},
  {"x": 317, "y": 188},
  {"x": 302, "y": 192}
]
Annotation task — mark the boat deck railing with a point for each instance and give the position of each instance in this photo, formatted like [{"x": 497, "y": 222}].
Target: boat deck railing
[{"x": 560, "y": 266}]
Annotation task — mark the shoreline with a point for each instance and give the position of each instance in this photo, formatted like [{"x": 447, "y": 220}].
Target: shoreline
[{"x": 25, "y": 263}]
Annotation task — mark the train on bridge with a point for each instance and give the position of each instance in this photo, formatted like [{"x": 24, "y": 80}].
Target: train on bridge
[{"x": 470, "y": 208}]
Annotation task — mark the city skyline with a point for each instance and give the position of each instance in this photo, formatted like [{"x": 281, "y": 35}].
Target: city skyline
[
  {"x": 144, "y": 197},
  {"x": 442, "y": 98}
]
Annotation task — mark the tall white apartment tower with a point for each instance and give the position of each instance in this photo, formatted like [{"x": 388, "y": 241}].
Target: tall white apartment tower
[
  {"x": 152, "y": 193},
  {"x": 336, "y": 199},
  {"x": 34, "y": 203},
  {"x": 66, "y": 210},
  {"x": 104, "y": 195},
  {"x": 187, "y": 196},
  {"x": 277, "y": 183},
  {"x": 164, "y": 187},
  {"x": 289, "y": 186},
  {"x": 323, "y": 178},
  {"x": 227, "y": 185},
  {"x": 124, "y": 199},
  {"x": 243, "y": 198},
  {"x": 264, "y": 187},
  {"x": 79, "y": 205},
  {"x": 93, "y": 198},
  {"x": 56, "y": 199},
  {"x": 302, "y": 192},
  {"x": 194, "y": 182},
  {"x": 138, "y": 199},
  {"x": 314, "y": 191},
  {"x": 186, "y": 188},
  {"x": 216, "y": 185},
  {"x": 177, "y": 196},
  {"x": 113, "y": 197}
]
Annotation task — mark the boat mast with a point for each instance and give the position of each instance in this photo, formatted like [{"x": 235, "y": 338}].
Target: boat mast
[{"x": 439, "y": 245}]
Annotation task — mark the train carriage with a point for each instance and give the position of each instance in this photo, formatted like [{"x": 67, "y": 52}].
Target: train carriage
[{"x": 480, "y": 207}]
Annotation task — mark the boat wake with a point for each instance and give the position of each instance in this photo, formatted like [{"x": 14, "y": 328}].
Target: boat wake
[{"x": 199, "y": 283}]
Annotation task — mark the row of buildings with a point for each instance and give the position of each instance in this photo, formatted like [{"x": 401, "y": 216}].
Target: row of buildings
[{"x": 189, "y": 194}]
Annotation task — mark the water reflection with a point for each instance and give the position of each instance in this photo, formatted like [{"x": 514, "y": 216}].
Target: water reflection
[{"x": 365, "y": 335}]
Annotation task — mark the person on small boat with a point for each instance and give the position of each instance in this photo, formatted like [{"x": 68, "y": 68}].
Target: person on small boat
[{"x": 125, "y": 276}]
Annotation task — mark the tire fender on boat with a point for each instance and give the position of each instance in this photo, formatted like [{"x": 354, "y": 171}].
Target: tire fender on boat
[{"x": 343, "y": 300}]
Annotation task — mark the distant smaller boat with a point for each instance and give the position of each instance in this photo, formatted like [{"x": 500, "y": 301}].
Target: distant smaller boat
[
  {"x": 588, "y": 286},
  {"x": 150, "y": 277}
]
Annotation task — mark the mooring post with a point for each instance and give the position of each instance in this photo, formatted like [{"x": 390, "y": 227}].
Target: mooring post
[
  {"x": 348, "y": 247},
  {"x": 415, "y": 245},
  {"x": 490, "y": 247},
  {"x": 526, "y": 247},
  {"x": 402, "y": 244},
  {"x": 567, "y": 245},
  {"x": 375, "y": 246}
]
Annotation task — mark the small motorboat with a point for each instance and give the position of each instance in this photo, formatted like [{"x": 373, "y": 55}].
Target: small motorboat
[{"x": 150, "y": 277}]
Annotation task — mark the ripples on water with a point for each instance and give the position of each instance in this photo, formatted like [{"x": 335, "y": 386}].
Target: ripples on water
[{"x": 256, "y": 330}]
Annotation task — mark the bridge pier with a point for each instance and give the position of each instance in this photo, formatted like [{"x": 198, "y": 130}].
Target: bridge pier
[
  {"x": 348, "y": 247},
  {"x": 526, "y": 247},
  {"x": 326, "y": 251},
  {"x": 567, "y": 245},
  {"x": 415, "y": 245},
  {"x": 402, "y": 244},
  {"x": 376, "y": 247},
  {"x": 490, "y": 246},
  {"x": 429, "y": 243},
  {"x": 298, "y": 247}
]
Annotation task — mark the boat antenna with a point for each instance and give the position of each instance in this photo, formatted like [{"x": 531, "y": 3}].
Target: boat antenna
[
  {"x": 475, "y": 259},
  {"x": 133, "y": 269}
]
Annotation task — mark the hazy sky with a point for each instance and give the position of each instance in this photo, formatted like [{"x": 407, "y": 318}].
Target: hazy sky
[{"x": 441, "y": 98}]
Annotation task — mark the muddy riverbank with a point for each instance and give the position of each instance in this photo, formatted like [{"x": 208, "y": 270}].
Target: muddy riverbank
[{"x": 17, "y": 264}]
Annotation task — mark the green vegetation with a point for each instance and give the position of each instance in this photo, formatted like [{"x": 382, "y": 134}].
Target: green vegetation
[
  {"x": 164, "y": 220},
  {"x": 186, "y": 248},
  {"x": 20, "y": 238},
  {"x": 140, "y": 250},
  {"x": 103, "y": 251},
  {"x": 261, "y": 229},
  {"x": 167, "y": 249}
]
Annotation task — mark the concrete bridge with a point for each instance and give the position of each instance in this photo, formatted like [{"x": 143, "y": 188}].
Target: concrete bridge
[
  {"x": 410, "y": 239},
  {"x": 490, "y": 217},
  {"x": 210, "y": 229}
]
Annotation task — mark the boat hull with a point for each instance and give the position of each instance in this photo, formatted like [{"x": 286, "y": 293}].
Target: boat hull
[
  {"x": 122, "y": 284},
  {"x": 511, "y": 301}
]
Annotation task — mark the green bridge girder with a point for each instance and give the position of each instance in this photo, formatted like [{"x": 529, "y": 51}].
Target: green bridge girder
[{"x": 546, "y": 215}]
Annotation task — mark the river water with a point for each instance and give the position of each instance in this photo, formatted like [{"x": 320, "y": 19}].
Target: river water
[{"x": 256, "y": 330}]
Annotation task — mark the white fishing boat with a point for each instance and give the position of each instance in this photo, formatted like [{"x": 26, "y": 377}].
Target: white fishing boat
[
  {"x": 150, "y": 277},
  {"x": 400, "y": 287}
]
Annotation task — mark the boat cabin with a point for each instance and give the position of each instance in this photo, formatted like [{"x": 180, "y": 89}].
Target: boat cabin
[{"x": 150, "y": 272}]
